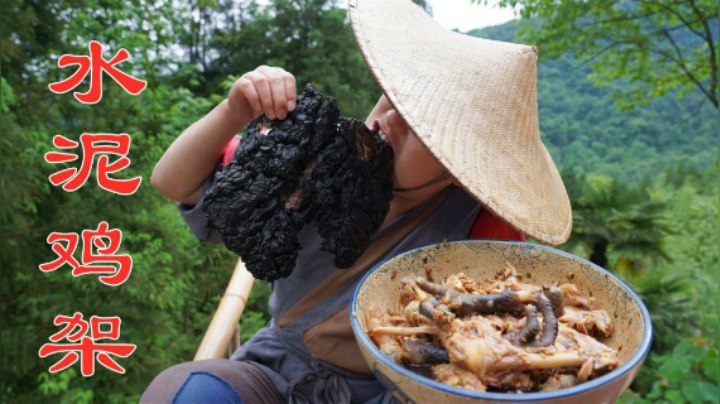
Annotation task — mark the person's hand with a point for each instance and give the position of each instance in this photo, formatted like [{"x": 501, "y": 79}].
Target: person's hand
[{"x": 266, "y": 90}]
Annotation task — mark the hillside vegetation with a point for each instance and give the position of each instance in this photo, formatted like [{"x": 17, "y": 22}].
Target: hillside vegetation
[{"x": 585, "y": 130}]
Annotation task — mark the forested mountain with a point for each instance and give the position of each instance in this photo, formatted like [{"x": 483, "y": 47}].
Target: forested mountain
[{"x": 585, "y": 130}]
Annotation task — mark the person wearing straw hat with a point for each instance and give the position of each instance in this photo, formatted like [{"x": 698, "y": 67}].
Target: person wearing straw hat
[{"x": 461, "y": 116}]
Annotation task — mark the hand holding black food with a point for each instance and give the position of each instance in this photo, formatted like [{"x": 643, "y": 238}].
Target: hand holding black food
[{"x": 314, "y": 166}]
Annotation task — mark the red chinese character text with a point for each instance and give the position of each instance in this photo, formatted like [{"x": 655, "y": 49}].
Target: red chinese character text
[
  {"x": 85, "y": 348},
  {"x": 95, "y": 64},
  {"x": 91, "y": 260},
  {"x": 94, "y": 144}
]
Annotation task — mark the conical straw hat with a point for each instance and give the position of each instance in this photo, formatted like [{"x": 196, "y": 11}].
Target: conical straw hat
[{"x": 473, "y": 103}]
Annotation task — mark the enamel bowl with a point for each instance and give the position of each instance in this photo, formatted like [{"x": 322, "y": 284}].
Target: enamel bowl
[{"x": 380, "y": 288}]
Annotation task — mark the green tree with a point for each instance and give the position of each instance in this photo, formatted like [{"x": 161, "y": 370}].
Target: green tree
[
  {"x": 310, "y": 39},
  {"x": 684, "y": 358},
  {"x": 611, "y": 217},
  {"x": 636, "y": 41},
  {"x": 584, "y": 129}
]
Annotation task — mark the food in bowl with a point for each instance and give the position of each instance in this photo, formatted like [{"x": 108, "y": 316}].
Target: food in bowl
[
  {"x": 380, "y": 289},
  {"x": 495, "y": 334}
]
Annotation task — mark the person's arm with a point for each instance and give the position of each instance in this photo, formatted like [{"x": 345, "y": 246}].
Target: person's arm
[
  {"x": 181, "y": 171},
  {"x": 192, "y": 157}
]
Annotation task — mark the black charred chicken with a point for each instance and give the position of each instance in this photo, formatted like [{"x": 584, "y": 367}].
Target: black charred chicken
[{"x": 314, "y": 166}]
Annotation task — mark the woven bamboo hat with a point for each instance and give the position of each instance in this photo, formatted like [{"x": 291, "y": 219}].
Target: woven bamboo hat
[{"x": 473, "y": 103}]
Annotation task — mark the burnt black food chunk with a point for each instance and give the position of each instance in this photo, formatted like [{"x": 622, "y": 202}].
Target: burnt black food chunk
[{"x": 314, "y": 166}]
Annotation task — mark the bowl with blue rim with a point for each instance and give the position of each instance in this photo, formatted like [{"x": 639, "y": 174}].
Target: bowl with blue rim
[{"x": 380, "y": 291}]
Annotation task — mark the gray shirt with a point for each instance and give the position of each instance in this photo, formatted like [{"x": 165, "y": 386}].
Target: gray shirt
[{"x": 280, "y": 352}]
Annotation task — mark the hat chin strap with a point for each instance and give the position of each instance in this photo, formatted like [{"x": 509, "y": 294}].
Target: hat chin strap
[{"x": 442, "y": 177}]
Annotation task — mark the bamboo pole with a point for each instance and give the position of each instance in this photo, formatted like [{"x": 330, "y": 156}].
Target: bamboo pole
[
  {"x": 234, "y": 341},
  {"x": 224, "y": 324}
]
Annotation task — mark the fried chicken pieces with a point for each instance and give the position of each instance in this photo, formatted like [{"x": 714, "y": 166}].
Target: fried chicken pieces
[
  {"x": 488, "y": 334},
  {"x": 313, "y": 166}
]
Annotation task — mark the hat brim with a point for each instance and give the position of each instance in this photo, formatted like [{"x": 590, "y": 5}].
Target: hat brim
[{"x": 472, "y": 103}]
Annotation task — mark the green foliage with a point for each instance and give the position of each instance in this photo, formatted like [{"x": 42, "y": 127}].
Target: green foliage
[
  {"x": 584, "y": 130},
  {"x": 658, "y": 46},
  {"x": 7, "y": 98},
  {"x": 58, "y": 385},
  {"x": 679, "y": 292},
  {"x": 687, "y": 375},
  {"x": 310, "y": 39},
  {"x": 667, "y": 298},
  {"x": 610, "y": 217},
  {"x": 654, "y": 236},
  {"x": 679, "y": 214}
]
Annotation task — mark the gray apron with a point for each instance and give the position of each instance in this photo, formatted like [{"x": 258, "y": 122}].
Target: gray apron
[{"x": 317, "y": 292}]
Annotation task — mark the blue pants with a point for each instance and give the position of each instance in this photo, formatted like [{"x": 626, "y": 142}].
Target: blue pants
[
  {"x": 212, "y": 381},
  {"x": 202, "y": 387}
]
